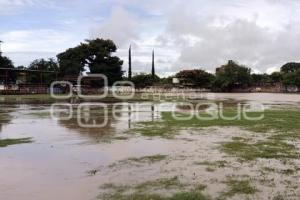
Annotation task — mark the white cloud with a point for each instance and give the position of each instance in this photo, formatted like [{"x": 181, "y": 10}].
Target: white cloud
[
  {"x": 22, "y": 45},
  {"x": 9, "y": 7},
  {"x": 120, "y": 27}
]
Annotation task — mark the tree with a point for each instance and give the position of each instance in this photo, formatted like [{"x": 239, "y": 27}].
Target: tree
[
  {"x": 197, "y": 77},
  {"x": 43, "y": 65},
  {"x": 291, "y": 74},
  {"x": 231, "y": 76},
  {"x": 290, "y": 67},
  {"x": 276, "y": 77},
  {"x": 96, "y": 55},
  {"x": 261, "y": 79},
  {"x": 5, "y": 62},
  {"x": 144, "y": 80},
  {"x": 292, "y": 79},
  {"x": 71, "y": 62}
]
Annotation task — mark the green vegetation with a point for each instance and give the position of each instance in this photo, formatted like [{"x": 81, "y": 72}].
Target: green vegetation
[
  {"x": 231, "y": 76},
  {"x": 260, "y": 149},
  {"x": 279, "y": 124},
  {"x": 94, "y": 54},
  {"x": 219, "y": 164},
  {"x": 239, "y": 187},
  {"x": 7, "y": 142},
  {"x": 145, "y": 159},
  {"x": 144, "y": 80},
  {"x": 43, "y": 65},
  {"x": 196, "y": 77},
  {"x": 138, "y": 196},
  {"x": 164, "y": 183},
  {"x": 284, "y": 123},
  {"x": 141, "y": 191}
]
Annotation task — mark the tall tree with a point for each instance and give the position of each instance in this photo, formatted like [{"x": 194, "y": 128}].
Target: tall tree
[
  {"x": 96, "y": 55},
  {"x": 9, "y": 76},
  {"x": 290, "y": 67},
  {"x": 291, "y": 74},
  {"x": 129, "y": 64},
  {"x": 153, "y": 66}
]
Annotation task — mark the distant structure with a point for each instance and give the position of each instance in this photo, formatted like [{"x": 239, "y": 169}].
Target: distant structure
[
  {"x": 153, "y": 66},
  {"x": 129, "y": 64},
  {"x": 0, "y": 47}
]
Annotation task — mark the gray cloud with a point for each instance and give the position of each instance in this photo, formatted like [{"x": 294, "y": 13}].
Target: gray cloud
[{"x": 209, "y": 41}]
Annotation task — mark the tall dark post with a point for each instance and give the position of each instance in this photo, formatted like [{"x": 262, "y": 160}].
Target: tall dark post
[
  {"x": 129, "y": 64},
  {"x": 0, "y": 48},
  {"x": 153, "y": 66}
]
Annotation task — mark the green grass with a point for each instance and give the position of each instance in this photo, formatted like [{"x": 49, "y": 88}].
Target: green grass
[
  {"x": 239, "y": 187},
  {"x": 165, "y": 183},
  {"x": 141, "y": 160},
  {"x": 46, "y": 98},
  {"x": 281, "y": 125},
  {"x": 219, "y": 163},
  {"x": 139, "y": 196},
  {"x": 285, "y": 123},
  {"x": 8, "y": 142},
  {"x": 141, "y": 191},
  {"x": 260, "y": 149}
]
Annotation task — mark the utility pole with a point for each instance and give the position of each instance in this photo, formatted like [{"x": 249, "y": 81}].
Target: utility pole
[{"x": 129, "y": 64}]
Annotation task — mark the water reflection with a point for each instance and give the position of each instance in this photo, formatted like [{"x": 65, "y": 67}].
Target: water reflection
[
  {"x": 5, "y": 115},
  {"x": 92, "y": 121}
]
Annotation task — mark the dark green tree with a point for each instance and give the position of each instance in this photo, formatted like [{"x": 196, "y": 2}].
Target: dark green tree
[
  {"x": 49, "y": 65},
  {"x": 291, "y": 74},
  {"x": 197, "y": 77},
  {"x": 144, "y": 80},
  {"x": 290, "y": 67},
  {"x": 5, "y": 62},
  {"x": 232, "y": 76},
  {"x": 276, "y": 77},
  {"x": 95, "y": 55},
  {"x": 260, "y": 79}
]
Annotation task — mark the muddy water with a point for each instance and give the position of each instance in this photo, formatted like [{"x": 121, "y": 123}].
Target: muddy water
[{"x": 56, "y": 164}]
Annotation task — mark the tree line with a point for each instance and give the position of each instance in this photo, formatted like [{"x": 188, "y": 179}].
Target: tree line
[{"x": 97, "y": 56}]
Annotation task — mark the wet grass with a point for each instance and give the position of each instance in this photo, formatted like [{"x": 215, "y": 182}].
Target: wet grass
[
  {"x": 41, "y": 114},
  {"x": 238, "y": 187},
  {"x": 8, "y": 142},
  {"x": 284, "y": 123},
  {"x": 219, "y": 163},
  {"x": 261, "y": 149},
  {"x": 164, "y": 183},
  {"x": 141, "y": 160},
  {"x": 141, "y": 191},
  {"x": 139, "y": 196}
]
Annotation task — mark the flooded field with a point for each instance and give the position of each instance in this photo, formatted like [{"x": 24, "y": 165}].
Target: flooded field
[{"x": 66, "y": 151}]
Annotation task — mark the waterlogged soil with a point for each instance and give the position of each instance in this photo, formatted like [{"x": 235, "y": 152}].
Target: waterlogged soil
[{"x": 64, "y": 160}]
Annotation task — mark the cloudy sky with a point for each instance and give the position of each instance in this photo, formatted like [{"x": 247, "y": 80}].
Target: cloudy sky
[{"x": 186, "y": 34}]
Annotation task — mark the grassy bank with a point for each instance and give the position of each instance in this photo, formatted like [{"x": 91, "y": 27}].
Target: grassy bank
[{"x": 8, "y": 142}]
